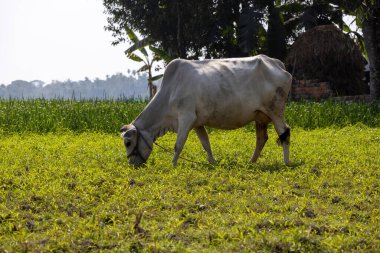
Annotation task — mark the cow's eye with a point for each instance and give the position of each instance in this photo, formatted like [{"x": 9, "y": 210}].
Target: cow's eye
[{"x": 127, "y": 144}]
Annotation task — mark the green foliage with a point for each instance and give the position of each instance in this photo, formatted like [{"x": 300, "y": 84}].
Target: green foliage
[
  {"x": 72, "y": 192},
  {"x": 138, "y": 44},
  {"x": 43, "y": 116}
]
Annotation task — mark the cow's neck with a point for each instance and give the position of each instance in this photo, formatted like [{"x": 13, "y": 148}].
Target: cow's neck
[{"x": 155, "y": 121}]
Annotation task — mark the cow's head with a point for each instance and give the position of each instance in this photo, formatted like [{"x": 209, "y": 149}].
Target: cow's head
[{"x": 137, "y": 146}]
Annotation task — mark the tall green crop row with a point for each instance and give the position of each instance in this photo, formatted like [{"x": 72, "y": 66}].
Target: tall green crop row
[
  {"x": 42, "y": 116},
  {"x": 312, "y": 115}
]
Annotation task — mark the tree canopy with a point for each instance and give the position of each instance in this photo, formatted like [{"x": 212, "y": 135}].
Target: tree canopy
[{"x": 218, "y": 28}]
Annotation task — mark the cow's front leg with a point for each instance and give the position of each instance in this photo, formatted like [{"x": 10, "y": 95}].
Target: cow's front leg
[
  {"x": 283, "y": 132},
  {"x": 203, "y": 137},
  {"x": 185, "y": 124}
]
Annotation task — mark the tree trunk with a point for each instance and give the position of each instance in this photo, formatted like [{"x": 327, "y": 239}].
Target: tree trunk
[
  {"x": 180, "y": 48},
  {"x": 150, "y": 84},
  {"x": 371, "y": 34},
  {"x": 276, "y": 38},
  {"x": 152, "y": 89}
]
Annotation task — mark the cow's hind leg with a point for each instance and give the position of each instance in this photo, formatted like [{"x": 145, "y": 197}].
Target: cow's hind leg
[
  {"x": 203, "y": 137},
  {"x": 185, "y": 124},
  {"x": 261, "y": 139}
]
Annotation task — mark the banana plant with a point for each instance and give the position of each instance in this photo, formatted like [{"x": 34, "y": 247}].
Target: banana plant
[{"x": 138, "y": 53}]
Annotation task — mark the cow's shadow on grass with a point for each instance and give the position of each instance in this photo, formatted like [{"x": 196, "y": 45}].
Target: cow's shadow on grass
[
  {"x": 234, "y": 164},
  {"x": 230, "y": 164},
  {"x": 273, "y": 167}
]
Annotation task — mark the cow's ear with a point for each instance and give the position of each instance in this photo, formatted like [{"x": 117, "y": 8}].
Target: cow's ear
[{"x": 124, "y": 128}]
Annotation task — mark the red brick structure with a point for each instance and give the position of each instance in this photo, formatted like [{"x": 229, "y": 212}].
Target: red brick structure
[
  {"x": 328, "y": 54},
  {"x": 310, "y": 89}
]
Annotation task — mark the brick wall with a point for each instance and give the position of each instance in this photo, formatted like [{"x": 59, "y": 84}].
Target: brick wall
[
  {"x": 310, "y": 89},
  {"x": 358, "y": 98}
]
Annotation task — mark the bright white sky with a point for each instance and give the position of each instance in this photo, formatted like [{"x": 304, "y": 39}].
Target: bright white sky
[{"x": 57, "y": 40}]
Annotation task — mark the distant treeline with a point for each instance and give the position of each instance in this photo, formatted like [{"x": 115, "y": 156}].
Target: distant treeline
[{"x": 113, "y": 87}]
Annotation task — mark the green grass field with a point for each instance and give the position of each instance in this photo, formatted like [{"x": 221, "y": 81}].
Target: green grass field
[{"x": 65, "y": 189}]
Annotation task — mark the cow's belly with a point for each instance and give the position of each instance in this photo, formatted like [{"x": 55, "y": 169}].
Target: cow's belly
[
  {"x": 228, "y": 125},
  {"x": 227, "y": 117}
]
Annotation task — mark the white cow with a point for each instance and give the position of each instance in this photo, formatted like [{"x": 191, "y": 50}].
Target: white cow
[{"x": 222, "y": 93}]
